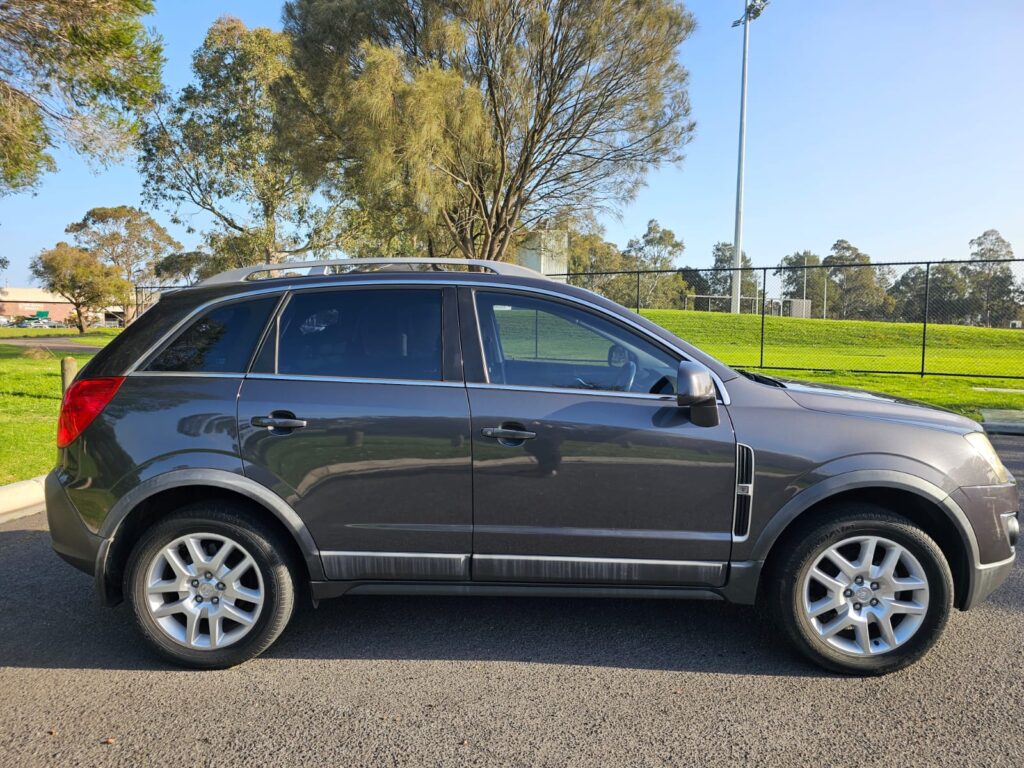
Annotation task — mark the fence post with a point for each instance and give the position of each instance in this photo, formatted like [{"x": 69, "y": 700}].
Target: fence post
[
  {"x": 638, "y": 291},
  {"x": 924, "y": 324},
  {"x": 68, "y": 369},
  {"x": 764, "y": 297}
]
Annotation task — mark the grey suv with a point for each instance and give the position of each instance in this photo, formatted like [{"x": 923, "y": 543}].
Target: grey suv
[{"x": 470, "y": 428}]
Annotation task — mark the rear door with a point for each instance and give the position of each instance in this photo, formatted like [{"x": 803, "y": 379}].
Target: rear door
[
  {"x": 356, "y": 414},
  {"x": 585, "y": 468}
]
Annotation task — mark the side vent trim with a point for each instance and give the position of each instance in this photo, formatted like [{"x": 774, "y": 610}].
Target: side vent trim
[{"x": 744, "y": 492}]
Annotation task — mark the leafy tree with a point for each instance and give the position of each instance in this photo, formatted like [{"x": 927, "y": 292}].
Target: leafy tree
[
  {"x": 128, "y": 240},
  {"x": 800, "y": 283},
  {"x": 77, "y": 71},
  {"x": 181, "y": 267},
  {"x": 946, "y": 290},
  {"x": 5, "y": 264},
  {"x": 992, "y": 294},
  {"x": 481, "y": 120},
  {"x": 220, "y": 146},
  {"x": 78, "y": 276},
  {"x": 590, "y": 255},
  {"x": 720, "y": 283},
  {"x": 657, "y": 249},
  {"x": 855, "y": 291}
]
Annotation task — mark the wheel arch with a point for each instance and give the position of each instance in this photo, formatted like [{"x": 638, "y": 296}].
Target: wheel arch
[
  {"x": 159, "y": 496},
  {"x": 925, "y": 505}
]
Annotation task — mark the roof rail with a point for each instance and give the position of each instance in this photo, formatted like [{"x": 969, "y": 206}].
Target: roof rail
[{"x": 324, "y": 268}]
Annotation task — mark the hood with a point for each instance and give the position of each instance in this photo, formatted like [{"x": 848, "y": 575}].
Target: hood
[{"x": 873, "y": 405}]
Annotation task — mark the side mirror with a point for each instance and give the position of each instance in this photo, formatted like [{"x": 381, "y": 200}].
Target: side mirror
[{"x": 696, "y": 390}]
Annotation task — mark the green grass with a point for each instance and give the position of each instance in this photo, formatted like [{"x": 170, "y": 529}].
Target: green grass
[
  {"x": 30, "y": 388},
  {"x": 29, "y": 403},
  {"x": 847, "y": 344}
]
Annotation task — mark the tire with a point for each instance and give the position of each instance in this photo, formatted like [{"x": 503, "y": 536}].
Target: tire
[
  {"x": 246, "y": 600},
  {"x": 872, "y": 638}
]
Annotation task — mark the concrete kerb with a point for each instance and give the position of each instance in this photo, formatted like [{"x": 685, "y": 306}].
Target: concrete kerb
[{"x": 21, "y": 499}]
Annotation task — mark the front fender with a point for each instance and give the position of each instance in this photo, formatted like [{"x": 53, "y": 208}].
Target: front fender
[
  {"x": 858, "y": 479},
  {"x": 745, "y": 575}
]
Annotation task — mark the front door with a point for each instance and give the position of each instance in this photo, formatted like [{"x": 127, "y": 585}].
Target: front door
[
  {"x": 356, "y": 415},
  {"x": 585, "y": 469}
]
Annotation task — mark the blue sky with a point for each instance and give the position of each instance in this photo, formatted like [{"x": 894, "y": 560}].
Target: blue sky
[{"x": 894, "y": 125}]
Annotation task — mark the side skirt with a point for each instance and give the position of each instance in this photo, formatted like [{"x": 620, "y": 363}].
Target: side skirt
[{"x": 323, "y": 590}]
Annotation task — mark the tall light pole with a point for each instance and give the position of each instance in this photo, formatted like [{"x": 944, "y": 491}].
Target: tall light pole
[{"x": 751, "y": 10}]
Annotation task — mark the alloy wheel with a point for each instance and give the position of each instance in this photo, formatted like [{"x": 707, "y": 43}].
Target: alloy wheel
[
  {"x": 204, "y": 591},
  {"x": 865, "y": 595}
]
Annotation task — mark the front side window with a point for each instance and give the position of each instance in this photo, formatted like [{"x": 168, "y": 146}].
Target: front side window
[
  {"x": 540, "y": 343},
  {"x": 354, "y": 333},
  {"x": 221, "y": 341}
]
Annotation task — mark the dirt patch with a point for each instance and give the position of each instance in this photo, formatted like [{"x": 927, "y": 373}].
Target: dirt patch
[{"x": 37, "y": 353}]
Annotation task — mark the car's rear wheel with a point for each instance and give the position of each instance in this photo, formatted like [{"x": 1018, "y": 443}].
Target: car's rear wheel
[
  {"x": 864, "y": 592},
  {"x": 209, "y": 586}
]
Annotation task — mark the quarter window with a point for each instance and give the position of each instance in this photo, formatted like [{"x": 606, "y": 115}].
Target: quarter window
[
  {"x": 540, "y": 343},
  {"x": 375, "y": 334},
  {"x": 221, "y": 341}
]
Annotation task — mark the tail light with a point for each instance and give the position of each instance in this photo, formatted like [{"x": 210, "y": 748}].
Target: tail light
[{"x": 83, "y": 402}]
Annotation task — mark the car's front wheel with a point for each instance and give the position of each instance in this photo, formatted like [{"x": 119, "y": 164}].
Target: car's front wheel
[
  {"x": 864, "y": 592},
  {"x": 209, "y": 587}
]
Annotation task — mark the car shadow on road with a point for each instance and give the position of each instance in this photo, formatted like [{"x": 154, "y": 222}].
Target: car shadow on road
[{"x": 50, "y": 618}]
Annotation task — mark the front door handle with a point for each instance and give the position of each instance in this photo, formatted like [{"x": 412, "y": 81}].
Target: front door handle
[
  {"x": 504, "y": 433},
  {"x": 273, "y": 422}
]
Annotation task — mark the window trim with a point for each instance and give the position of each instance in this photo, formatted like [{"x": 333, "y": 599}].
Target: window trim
[
  {"x": 168, "y": 339},
  {"x": 462, "y": 285}
]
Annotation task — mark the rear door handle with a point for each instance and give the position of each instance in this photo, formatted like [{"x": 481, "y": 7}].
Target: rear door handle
[
  {"x": 504, "y": 433},
  {"x": 277, "y": 422}
]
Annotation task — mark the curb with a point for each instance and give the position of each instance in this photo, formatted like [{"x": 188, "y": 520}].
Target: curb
[{"x": 21, "y": 499}]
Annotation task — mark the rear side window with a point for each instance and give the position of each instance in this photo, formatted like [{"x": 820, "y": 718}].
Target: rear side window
[
  {"x": 367, "y": 334},
  {"x": 220, "y": 341}
]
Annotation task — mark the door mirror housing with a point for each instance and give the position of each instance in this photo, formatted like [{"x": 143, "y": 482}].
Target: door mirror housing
[{"x": 695, "y": 390}]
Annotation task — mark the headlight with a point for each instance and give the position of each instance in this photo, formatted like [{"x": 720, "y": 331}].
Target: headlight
[{"x": 979, "y": 441}]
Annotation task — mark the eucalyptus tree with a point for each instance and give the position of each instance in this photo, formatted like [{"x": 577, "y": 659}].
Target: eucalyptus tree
[
  {"x": 224, "y": 148},
  {"x": 77, "y": 72},
  {"x": 80, "y": 277},
  {"x": 993, "y": 295},
  {"x": 480, "y": 120},
  {"x": 130, "y": 241}
]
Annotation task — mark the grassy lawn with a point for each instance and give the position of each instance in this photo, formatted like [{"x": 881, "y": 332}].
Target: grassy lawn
[
  {"x": 847, "y": 344},
  {"x": 94, "y": 337},
  {"x": 30, "y": 383},
  {"x": 29, "y": 403}
]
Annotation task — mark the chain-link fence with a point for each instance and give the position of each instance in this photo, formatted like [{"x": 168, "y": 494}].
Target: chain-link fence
[{"x": 951, "y": 318}]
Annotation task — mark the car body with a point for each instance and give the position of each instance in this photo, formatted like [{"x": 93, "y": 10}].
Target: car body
[{"x": 414, "y": 427}]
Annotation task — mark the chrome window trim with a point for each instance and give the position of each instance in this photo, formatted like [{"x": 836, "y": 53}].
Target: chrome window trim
[
  {"x": 185, "y": 374},
  {"x": 724, "y": 398},
  {"x": 353, "y": 380},
  {"x": 574, "y": 391}
]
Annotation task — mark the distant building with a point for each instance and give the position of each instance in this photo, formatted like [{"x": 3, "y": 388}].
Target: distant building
[
  {"x": 28, "y": 302},
  {"x": 546, "y": 251}
]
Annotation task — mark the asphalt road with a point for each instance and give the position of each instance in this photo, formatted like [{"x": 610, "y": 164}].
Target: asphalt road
[
  {"x": 53, "y": 343},
  {"x": 429, "y": 681}
]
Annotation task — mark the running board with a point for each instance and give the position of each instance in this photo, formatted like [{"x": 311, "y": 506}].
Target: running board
[{"x": 323, "y": 590}]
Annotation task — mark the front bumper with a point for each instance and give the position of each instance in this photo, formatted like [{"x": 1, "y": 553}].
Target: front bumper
[
  {"x": 994, "y": 513},
  {"x": 71, "y": 539},
  {"x": 985, "y": 580}
]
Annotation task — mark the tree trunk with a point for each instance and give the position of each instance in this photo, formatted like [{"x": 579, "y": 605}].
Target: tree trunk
[{"x": 79, "y": 319}]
